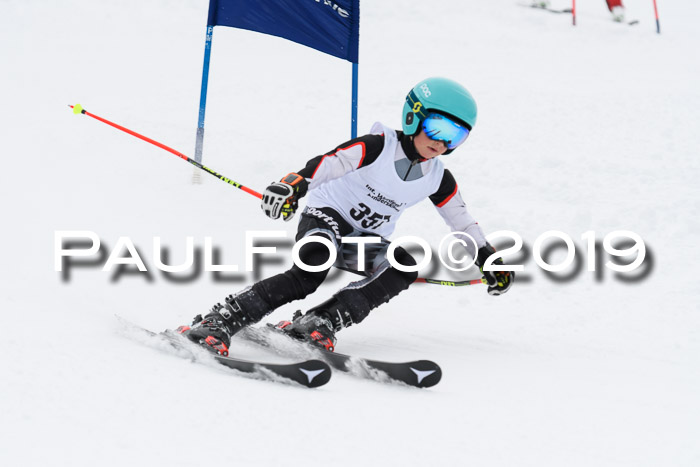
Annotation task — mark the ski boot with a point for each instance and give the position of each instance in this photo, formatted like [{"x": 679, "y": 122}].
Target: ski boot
[
  {"x": 215, "y": 329},
  {"x": 618, "y": 14},
  {"x": 319, "y": 325}
]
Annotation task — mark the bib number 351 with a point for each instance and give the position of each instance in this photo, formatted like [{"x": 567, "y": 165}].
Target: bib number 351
[{"x": 368, "y": 219}]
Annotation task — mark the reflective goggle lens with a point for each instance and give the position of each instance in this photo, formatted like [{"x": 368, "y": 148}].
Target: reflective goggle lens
[{"x": 440, "y": 128}]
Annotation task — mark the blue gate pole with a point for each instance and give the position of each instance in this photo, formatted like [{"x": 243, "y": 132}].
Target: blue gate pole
[
  {"x": 203, "y": 96},
  {"x": 353, "y": 131}
]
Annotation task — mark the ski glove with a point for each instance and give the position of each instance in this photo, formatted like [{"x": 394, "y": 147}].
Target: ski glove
[
  {"x": 282, "y": 198},
  {"x": 499, "y": 281}
]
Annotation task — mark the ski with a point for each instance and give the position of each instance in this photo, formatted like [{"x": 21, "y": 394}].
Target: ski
[
  {"x": 551, "y": 10},
  {"x": 309, "y": 373},
  {"x": 419, "y": 373},
  {"x": 569, "y": 10}
]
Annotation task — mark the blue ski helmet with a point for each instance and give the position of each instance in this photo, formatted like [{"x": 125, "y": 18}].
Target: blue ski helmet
[{"x": 439, "y": 95}]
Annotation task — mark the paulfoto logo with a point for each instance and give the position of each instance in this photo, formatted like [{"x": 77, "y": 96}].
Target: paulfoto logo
[{"x": 72, "y": 247}]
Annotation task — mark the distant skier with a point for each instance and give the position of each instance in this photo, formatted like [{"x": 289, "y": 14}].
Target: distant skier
[
  {"x": 615, "y": 6},
  {"x": 360, "y": 189},
  {"x": 616, "y": 9}
]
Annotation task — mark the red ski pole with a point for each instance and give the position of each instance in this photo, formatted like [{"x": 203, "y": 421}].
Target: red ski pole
[
  {"x": 656, "y": 14},
  {"x": 573, "y": 11},
  {"x": 77, "y": 109}
]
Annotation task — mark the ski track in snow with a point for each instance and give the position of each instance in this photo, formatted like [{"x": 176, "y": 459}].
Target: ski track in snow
[{"x": 585, "y": 128}]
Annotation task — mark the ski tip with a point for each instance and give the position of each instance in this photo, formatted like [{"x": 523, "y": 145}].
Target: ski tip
[
  {"x": 314, "y": 373},
  {"x": 427, "y": 373}
]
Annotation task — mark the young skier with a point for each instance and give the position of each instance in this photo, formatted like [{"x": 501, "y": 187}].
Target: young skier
[{"x": 360, "y": 189}]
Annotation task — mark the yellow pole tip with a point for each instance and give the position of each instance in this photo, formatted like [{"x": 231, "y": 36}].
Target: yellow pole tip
[{"x": 77, "y": 108}]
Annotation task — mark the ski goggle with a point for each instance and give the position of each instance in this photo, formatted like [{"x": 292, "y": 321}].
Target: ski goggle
[{"x": 441, "y": 128}]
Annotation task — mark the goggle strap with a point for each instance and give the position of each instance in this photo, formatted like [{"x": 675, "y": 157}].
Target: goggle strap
[{"x": 416, "y": 105}]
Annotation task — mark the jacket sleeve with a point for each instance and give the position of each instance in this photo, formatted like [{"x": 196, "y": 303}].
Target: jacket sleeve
[
  {"x": 451, "y": 206},
  {"x": 347, "y": 157}
]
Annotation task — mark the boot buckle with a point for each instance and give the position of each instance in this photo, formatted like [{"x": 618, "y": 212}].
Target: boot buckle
[
  {"x": 323, "y": 341},
  {"x": 217, "y": 345}
]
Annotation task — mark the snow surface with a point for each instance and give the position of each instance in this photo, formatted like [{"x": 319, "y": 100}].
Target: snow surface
[{"x": 585, "y": 128}]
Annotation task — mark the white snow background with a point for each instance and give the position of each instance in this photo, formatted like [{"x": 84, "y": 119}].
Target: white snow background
[{"x": 593, "y": 127}]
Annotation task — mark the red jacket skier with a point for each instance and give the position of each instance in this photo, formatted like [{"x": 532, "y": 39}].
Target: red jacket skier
[{"x": 615, "y": 7}]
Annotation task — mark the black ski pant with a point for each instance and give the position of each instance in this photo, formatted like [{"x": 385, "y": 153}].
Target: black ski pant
[{"x": 381, "y": 283}]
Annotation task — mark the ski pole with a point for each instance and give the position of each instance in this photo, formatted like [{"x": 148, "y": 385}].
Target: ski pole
[
  {"x": 425, "y": 280},
  {"x": 573, "y": 11},
  {"x": 656, "y": 14},
  {"x": 77, "y": 109},
  {"x": 451, "y": 283}
]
